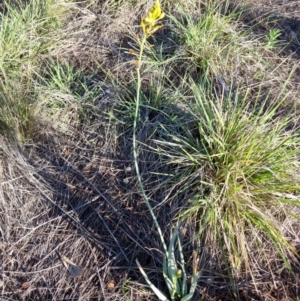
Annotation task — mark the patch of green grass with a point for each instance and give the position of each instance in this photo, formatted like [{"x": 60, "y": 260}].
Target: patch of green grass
[
  {"x": 240, "y": 165},
  {"x": 28, "y": 31},
  {"x": 16, "y": 110},
  {"x": 67, "y": 96},
  {"x": 59, "y": 93},
  {"x": 210, "y": 39}
]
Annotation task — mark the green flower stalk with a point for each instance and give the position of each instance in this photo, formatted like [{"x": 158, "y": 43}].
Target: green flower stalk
[{"x": 175, "y": 278}]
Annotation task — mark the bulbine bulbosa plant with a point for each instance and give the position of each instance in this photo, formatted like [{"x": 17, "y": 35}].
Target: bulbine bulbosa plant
[{"x": 175, "y": 278}]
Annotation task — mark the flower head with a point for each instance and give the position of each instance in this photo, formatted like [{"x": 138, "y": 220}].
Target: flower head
[{"x": 148, "y": 23}]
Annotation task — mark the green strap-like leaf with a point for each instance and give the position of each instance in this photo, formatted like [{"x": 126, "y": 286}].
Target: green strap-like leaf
[
  {"x": 156, "y": 291},
  {"x": 182, "y": 263},
  {"x": 194, "y": 281}
]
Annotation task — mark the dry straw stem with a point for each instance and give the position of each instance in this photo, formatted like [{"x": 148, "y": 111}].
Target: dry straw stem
[{"x": 74, "y": 270}]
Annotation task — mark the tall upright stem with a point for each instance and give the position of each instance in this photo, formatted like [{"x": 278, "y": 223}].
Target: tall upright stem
[{"x": 134, "y": 141}]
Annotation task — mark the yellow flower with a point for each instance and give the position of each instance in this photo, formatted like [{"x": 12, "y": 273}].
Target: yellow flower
[{"x": 155, "y": 14}]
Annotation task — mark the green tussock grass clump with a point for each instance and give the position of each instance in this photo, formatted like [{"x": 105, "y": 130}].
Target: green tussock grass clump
[
  {"x": 210, "y": 39},
  {"x": 239, "y": 160}
]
